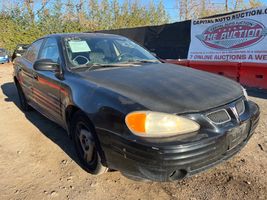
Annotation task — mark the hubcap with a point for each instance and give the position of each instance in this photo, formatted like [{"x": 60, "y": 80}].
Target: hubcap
[{"x": 87, "y": 144}]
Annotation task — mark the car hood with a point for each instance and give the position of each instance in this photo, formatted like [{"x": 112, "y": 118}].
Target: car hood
[{"x": 167, "y": 87}]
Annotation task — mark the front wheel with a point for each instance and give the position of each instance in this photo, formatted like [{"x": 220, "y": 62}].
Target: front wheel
[{"x": 86, "y": 145}]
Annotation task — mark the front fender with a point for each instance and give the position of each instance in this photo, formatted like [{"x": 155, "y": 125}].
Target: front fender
[
  {"x": 110, "y": 109},
  {"x": 104, "y": 107}
]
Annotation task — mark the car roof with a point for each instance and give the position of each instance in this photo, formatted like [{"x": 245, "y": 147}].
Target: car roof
[{"x": 64, "y": 35}]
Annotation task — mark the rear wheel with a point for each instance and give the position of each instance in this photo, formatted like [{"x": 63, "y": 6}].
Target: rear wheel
[
  {"x": 22, "y": 99},
  {"x": 87, "y": 145}
]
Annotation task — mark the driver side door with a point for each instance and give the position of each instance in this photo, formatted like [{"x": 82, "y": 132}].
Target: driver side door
[{"x": 46, "y": 86}]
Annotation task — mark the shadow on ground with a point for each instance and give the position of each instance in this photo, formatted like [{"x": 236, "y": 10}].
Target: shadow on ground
[{"x": 48, "y": 128}]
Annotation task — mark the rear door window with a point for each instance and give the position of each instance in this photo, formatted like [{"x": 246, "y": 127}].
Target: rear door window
[{"x": 33, "y": 50}]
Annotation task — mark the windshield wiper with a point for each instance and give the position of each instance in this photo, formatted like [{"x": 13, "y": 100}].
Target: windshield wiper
[
  {"x": 142, "y": 61},
  {"x": 91, "y": 66},
  {"x": 95, "y": 66}
]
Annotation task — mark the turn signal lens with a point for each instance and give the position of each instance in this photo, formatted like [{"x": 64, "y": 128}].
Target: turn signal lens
[
  {"x": 156, "y": 124},
  {"x": 136, "y": 122}
]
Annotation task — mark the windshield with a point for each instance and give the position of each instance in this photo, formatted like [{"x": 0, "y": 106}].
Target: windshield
[{"x": 88, "y": 51}]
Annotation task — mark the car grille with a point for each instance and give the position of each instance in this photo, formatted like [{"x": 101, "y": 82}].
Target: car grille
[
  {"x": 222, "y": 115},
  {"x": 219, "y": 117}
]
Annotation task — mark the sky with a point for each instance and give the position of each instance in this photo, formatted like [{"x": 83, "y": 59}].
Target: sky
[{"x": 170, "y": 5}]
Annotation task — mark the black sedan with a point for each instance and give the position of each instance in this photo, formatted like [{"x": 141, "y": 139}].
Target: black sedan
[{"x": 126, "y": 110}]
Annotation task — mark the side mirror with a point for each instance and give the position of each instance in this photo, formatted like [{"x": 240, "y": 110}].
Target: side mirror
[{"x": 45, "y": 65}]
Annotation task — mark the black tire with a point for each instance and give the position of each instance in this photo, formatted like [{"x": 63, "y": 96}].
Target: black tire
[
  {"x": 22, "y": 99},
  {"x": 86, "y": 144}
]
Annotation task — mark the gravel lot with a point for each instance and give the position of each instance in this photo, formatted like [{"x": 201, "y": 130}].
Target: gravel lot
[{"x": 38, "y": 162}]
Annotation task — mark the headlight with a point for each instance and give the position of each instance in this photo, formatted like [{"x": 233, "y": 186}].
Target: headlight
[
  {"x": 156, "y": 124},
  {"x": 245, "y": 93}
]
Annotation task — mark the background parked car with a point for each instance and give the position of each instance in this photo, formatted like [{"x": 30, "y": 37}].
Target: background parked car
[
  {"x": 19, "y": 51},
  {"x": 4, "y": 58}
]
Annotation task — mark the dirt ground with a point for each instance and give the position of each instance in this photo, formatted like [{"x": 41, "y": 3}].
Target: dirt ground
[{"x": 37, "y": 161}]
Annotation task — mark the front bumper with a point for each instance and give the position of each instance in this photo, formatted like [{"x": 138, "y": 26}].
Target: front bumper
[{"x": 175, "y": 160}]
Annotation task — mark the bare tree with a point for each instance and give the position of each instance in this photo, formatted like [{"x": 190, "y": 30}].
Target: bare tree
[
  {"x": 80, "y": 11},
  {"x": 189, "y": 9},
  {"x": 29, "y": 4},
  {"x": 255, "y": 3}
]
